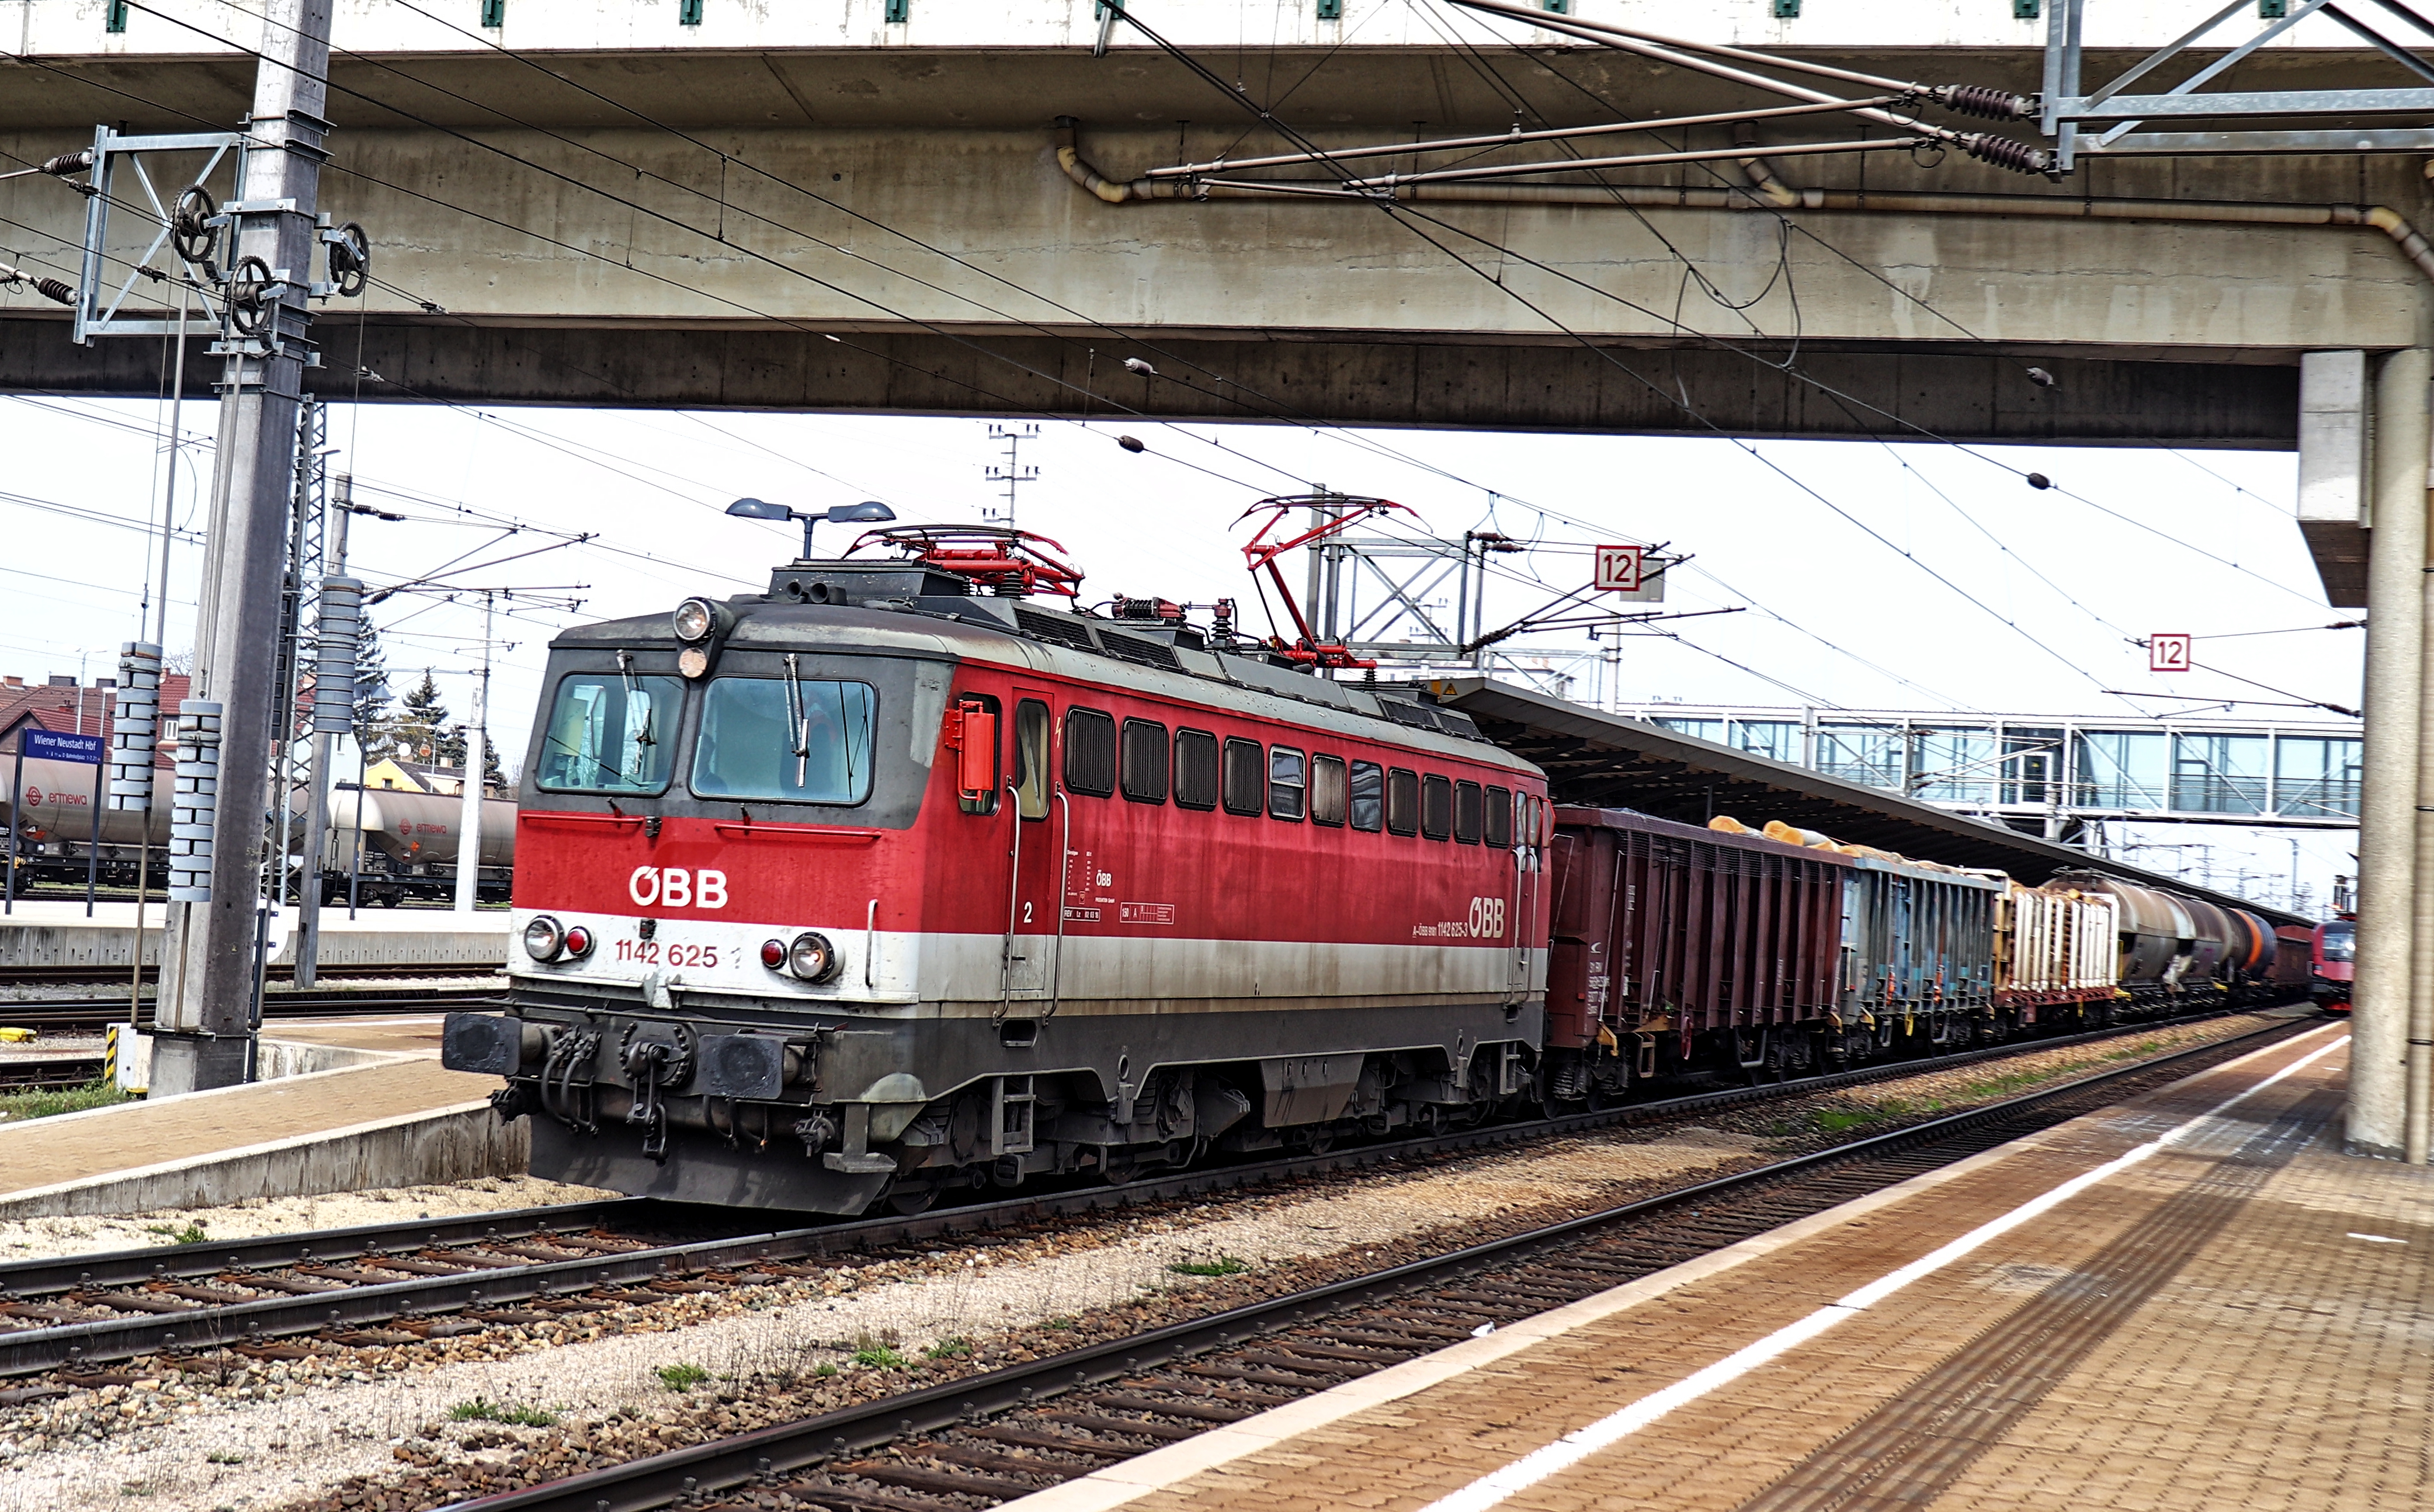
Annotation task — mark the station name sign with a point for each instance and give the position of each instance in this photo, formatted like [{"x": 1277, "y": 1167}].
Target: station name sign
[{"x": 37, "y": 744}]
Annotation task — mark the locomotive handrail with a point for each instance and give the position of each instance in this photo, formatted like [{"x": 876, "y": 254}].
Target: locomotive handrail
[
  {"x": 1013, "y": 901},
  {"x": 1064, "y": 876},
  {"x": 579, "y": 819},
  {"x": 828, "y": 833}
]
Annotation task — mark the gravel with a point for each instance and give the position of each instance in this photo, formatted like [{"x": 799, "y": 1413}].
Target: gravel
[{"x": 44, "y": 1238}]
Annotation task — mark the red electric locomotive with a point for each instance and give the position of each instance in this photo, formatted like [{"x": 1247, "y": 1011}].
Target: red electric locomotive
[
  {"x": 2333, "y": 964},
  {"x": 877, "y": 886}
]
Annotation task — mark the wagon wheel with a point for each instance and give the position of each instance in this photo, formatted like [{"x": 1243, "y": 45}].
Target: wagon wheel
[{"x": 906, "y": 1202}]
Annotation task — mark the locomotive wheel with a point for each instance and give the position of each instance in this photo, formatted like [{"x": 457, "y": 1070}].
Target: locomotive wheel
[{"x": 905, "y": 1202}]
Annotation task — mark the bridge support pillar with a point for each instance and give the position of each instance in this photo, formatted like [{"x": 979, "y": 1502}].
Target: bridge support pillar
[{"x": 2395, "y": 928}]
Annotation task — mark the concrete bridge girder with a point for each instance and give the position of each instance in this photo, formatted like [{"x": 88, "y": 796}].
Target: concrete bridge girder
[{"x": 2173, "y": 331}]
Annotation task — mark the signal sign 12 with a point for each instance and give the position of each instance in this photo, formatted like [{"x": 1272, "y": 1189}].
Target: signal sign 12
[
  {"x": 2167, "y": 651},
  {"x": 1619, "y": 568}
]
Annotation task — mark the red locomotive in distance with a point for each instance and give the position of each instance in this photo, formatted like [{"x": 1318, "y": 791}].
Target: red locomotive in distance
[
  {"x": 875, "y": 887},
  {"x": 2333, "y": 964}
]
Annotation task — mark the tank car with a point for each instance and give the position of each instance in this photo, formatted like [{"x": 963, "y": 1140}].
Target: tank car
[
  {"x": 2248, "y": 958},
  {"x": 52, "y": 805},
  {"x": 409, "y": 843},
  {"x": 876, "y": 885}
]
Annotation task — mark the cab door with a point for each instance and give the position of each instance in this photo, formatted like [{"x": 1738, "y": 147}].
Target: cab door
[{"x": 1038, "y": 866}]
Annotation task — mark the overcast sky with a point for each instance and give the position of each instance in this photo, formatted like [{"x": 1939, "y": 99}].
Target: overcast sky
[{"x": 1918, "y": 577}]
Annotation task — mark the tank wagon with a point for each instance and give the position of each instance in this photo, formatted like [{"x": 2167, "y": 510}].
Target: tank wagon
[
  {"x": 2175, "y": 949},
  {"x": 409, "y": 840},
  {"x": 408, "y": 844},
  {"x": 881, "y": 884}
]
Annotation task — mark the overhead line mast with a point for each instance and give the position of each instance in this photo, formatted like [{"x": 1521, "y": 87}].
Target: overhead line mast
[{"x": 204, "y": 1020}]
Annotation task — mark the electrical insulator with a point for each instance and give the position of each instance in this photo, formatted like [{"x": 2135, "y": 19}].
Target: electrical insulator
[
  {"x": 340, "y": 631},
  {"x": 195, "y": 805},
  {"x": 134, "y": 727}
]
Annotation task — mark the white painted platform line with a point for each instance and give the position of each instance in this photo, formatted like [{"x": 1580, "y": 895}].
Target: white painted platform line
[{"x": 1497, "y": 1486}]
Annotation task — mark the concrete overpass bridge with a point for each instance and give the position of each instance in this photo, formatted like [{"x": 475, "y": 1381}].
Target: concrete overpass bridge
[{"x": 673, "y": 203}]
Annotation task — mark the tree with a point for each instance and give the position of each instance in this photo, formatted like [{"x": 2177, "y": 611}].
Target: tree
[
  {"x": 422, "y": 733},
  {"x": 491, "y": 775},
  {"x": 374, "y": 725}
]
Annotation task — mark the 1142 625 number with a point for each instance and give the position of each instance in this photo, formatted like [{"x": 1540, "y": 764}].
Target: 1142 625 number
[{"x": 668, "y": 952}]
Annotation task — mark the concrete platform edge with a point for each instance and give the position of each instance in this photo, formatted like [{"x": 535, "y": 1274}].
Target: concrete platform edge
[
  {"x": 462, "y": 1143},
  {"x": 1135, "y": 1478}
]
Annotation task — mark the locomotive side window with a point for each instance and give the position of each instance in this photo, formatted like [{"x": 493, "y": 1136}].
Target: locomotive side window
[
  {"x": 1031, "y": 759},
  {"x": 1467, "y": 818},
  {"x": 610, "y": 733},
  {"x": 1436, "y": 806},
  {"x": 1196, "y": 769},
  {"x": 1144, "y": 761},
  {"x": 1089, "y": 753},
  {"x": 1246, "y": 785},
  {"x": 792, "y": 739},
  {"x": 1288, "y": 783},
  {"x": 1327, "y": 790},
  {"x": 1500, "y": 818},
  {"x": 1402, "y": 802},
  {"x": 1368, "y": 795}
]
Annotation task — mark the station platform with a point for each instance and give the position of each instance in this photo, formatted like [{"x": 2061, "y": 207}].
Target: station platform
[
  {"x": 2191, "y": 1300},
  {"x": 387, "y": 1114},
  {"x": 51, "y": 935}
]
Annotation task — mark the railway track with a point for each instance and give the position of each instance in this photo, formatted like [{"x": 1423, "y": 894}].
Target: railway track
[
  {"x": 403, "y": 1283},
  {"x": 50, "y": 1074},
  {"x": 1015, "y": 1431},
  {"x": 89, "y": 1015}
]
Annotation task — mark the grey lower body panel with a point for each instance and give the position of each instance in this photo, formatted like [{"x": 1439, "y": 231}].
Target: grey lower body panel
[{"x": 699, "y": 1168}]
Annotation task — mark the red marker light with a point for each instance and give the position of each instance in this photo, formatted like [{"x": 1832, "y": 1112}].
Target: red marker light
[
  {"x": 773, "y": 954},
  {"x": 578, "y": 941}
]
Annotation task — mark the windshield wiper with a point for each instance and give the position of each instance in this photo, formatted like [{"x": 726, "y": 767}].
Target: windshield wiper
[{"x": 798, "y": 721}]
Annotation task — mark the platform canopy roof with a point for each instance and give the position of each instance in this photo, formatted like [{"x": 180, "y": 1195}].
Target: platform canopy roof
[{"x": 1606, "y": 760}]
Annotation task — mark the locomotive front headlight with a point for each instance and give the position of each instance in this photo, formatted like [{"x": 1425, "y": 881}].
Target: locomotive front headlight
[
  {"x": 812, "y": 957},
  {"x": 694, "y": 619},
  {"x": 544, "y": 938},
  {"x": 578, "y": 941}
]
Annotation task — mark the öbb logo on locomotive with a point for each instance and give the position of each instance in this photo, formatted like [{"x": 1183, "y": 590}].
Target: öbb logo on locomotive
[
  {"x": 1369, "y": 916},
  {"x": 676, "y": 888}
]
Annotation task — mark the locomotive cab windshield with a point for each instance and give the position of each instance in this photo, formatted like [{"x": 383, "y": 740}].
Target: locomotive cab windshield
[
  {"x": 610, "y": 733},
  {"x": 788, "y": 739}
]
